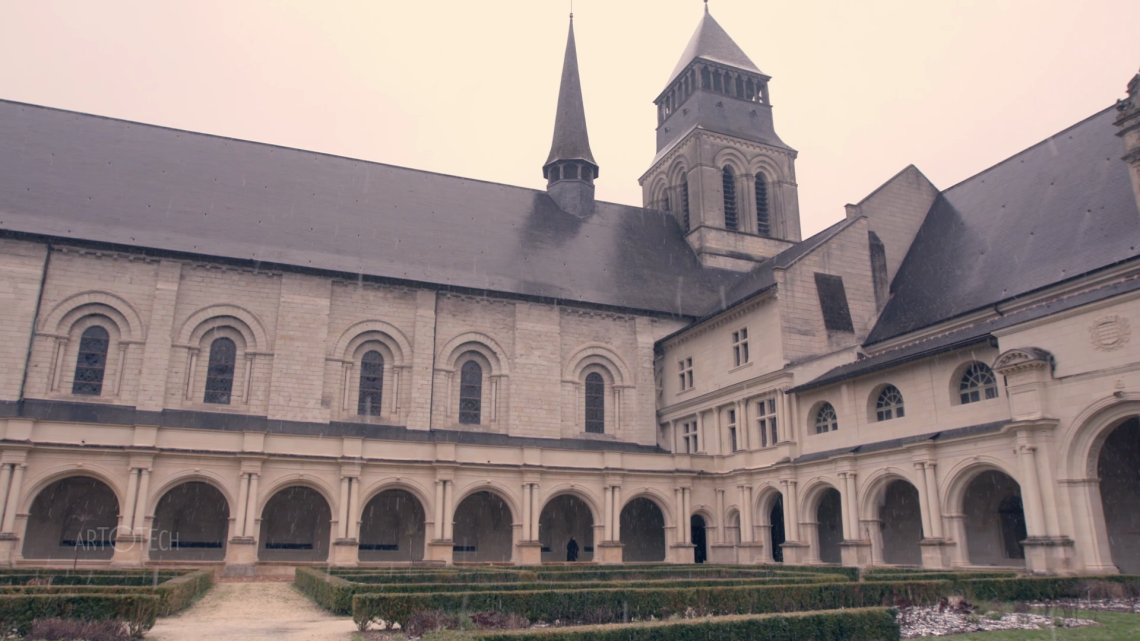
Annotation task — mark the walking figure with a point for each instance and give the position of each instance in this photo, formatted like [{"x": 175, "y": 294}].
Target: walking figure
[{"x": 572, "y": 550}]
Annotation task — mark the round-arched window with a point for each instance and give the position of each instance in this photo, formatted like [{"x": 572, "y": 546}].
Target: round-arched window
[
  {"x": 977, "y": 384},
  {"x": 825, "y": 419},
  {"x": 371, "y": 384},
  {"x": 470, "y": 393},
  {"x": 220, "y": 372},
  {"x": 91, "y": 363},
  {"x": 889, "y": 404},
  {"x": 595, "y": 403}
]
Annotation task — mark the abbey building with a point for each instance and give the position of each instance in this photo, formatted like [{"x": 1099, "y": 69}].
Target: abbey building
[{"x": 222, "y": 352}]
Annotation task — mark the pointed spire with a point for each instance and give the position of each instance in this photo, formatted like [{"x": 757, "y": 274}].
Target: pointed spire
[
  {"x": 711, "y": 42},
  {"x": 571, "y": 142}
]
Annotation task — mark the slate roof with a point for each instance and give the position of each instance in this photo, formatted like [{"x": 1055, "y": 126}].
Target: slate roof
[
  {"x": 1059, "y": 209},
  {"x": 571, "y": 140},
  {"x": 77, "y": 176},
  {"x": 711, "y": 42}
]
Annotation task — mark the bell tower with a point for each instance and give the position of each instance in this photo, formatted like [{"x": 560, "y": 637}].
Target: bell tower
[{"x": 720, "y": 168}]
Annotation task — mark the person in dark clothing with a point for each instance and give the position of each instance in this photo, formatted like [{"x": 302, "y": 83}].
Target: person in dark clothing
[{"x": 572, "y": 550}]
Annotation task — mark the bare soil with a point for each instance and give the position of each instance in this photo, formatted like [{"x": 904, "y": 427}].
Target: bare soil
[{"x": 253, "y": 611}]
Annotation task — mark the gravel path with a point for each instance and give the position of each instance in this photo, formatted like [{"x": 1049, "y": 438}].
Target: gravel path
[{"x": 255, "y": 612}]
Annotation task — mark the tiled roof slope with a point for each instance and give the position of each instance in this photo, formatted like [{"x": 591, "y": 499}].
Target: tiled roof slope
[
  {"x": 77, "y": 176},
  {"x": 1059, "y": 209}
]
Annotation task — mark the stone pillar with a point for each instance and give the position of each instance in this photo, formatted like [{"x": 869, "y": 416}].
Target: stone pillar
[
  {"x": 345, "y": 547},
  {"x": 609, "y": 551},
  {"x": 140, "y": 510},
  {"x": 131, "y": 544},
  {"x": 441, "y": 548},
  {"x": 241, "y": 551},
  {"x": 526, "y": 493},
  {"x": 923, "y": 500},
  {"x": 855, "y": 550},
  {"x": 1093, "y": 547},
  {"x": 1044, "y": 554},
  {"x": 722, "y": 551},
  {"x": 617, "y": 512},
  {"x": 873, "y": 528},
  {"x": 448, "y": 509},
  {"x": 243, "y": 497},
  {"x": 686, "y": 518},
  {"x": 250, "y": 524},
  {"x": 933, "y": 499},
  {"x": 934, "y": 545},
  {"x": 608, "y": 515},
  {"x": 529, "y": 547},
  {"x": 439, "y": 516},
  {"x": 129, "y": 507},
  {"x": 679, "y": 503},
  {"x": 342, "y": 509},
  {"x": 12, "y": 504}
]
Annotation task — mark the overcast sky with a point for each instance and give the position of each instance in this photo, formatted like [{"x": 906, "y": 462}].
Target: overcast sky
[{"x": 860, "y": 89}]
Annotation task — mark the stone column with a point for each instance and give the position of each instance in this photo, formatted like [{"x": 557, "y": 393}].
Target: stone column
[
  {"x": 535, "y": 511},
  {"x": 608, "y": 491},
  {"x": 353, "y": 508},
  {"x": 845, "y": 509},
  {"x": 686, "y": 517},
  {"x": 923, "y": 499},
  {"x": 449, "y": 509},
  {"x": 526, "y": 493},
  {"x": 617, "y": 513},
  {"x": 679, "y": 503},
  {"x": 720, "y": 522},
  {"x": 1031, "y": 489},
  {"x": 243, "y": 497},
  {"x": 342, "y": 509},
  {"x": 14, "y": 490},
  {"x": 250, "y": 528},
  {"x": 5, "y": 480},
  {"x": 140, "y": 511},
  {"x": 439, "y": 515},
  {"x": 933, "y": 500},
  {"x": 129, "y": 506}
]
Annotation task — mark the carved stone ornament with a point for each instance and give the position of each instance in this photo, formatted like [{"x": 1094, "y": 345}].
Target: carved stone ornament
[
  {"x": 1109, "y": 333},
  {"x": 1020, "y": 359}
]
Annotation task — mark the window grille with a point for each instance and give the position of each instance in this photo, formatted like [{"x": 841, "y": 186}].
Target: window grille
[
  {"x": 740, "y": 347},
  {"x": 686, "y": 375},
  {"x": 91, "y": 363},
  {"x": 763, "y": 224},
  {"x": 470, "y": 393},
  {"x": 890, "y": 404},
  {"x": 595, "y": 403},
  {"x": 825, "y": 419},
  {"x": 728, "y": 180},
  {"x": 371, "y": 384},
  {"x": 220, "y": 371},
  {"x": 977, "y": 383}
]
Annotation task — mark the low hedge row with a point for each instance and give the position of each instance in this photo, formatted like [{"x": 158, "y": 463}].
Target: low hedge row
[
  {"x": 174, "y": 595},
  {"x": 618, "y": 604},
  {"x": 1042, "y": 588},
  {"x": 867, "y": 624},
  {"x": 86, "y": 578},
  {"x": 180, "y": 592},
  {"x": 335, "y": 593},
  {"x": 532, "y": 576},
  {"x": 939, "y": 576},
  {"x": 138, "y": 611}
]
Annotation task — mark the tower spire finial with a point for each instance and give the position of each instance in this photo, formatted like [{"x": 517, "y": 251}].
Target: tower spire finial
[
  {"x": 570, "y": 168},
  {"x": 706, "y": 6}
]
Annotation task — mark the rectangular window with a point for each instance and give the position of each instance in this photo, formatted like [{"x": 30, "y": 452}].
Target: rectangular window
[
  {"x": 732, "y": 430},
  {"x": 740, "y": 347},
  {"x": 766, "y": 421},
  {"x": 689, "y": 431},
  {"x": 686, "y": 373},
  {"x": 833, "y": 302}
]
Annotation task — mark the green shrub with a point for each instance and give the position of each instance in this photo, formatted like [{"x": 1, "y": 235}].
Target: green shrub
[
  {"x": 937, "y": 576},
  {"x": 138, "y": 611},
  {"x": 618, "y": 604},
  {"x": 60, "y": 577},
  {"x": 330, "y": 592},
  {"x": 410, "y": 588},
  {"x": 179, "y": 592},
  {"x": 580, "y": 574},
  {"x": 1040, "y": 588},
  {"x": 872, "y": 624}
]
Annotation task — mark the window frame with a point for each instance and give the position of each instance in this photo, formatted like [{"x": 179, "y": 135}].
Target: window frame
[
  {"x": 690, "y": 436},
  {"x": 600, "y": 410},
  {"x": 685, "y": 367},
  {"x": 733, "y": 431},
  {"x": 822, "y": 423},
  {"x": 888, "y": 408},
  {"x": 361, "y": 391},
  {"x": 220, "y": 397},
  {"x": 740, "y": 355},
  {"x": 985, "y": 391},
  {"x": 767, "y": 420},
  {"x": 104, "y": 356},
  {"x": 476, "y": 399},
  {"x": 763, "y": 205},
  {"x": 731, "y": 202}
]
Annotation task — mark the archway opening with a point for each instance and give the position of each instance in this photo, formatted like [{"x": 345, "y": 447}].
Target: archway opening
[
  {"x": 829, "y": 520},
  {"x": 483, "y": 529},
  {"x": 392, "y": 528},
  {"x": 295, "y": 526},
  {"x": 642, "y": 532},
  {"x": 776, "y": 519},
  {"x": 994, "y": 520},
  {"x": 73, "y": 518},
  {"x": 1117, "y": 469},
  {"x": 566, "y": 517},
  {"x": 190, "y": 524},
  {"x": 700, "y": 539},
  {"x": 900, "y": 516}
]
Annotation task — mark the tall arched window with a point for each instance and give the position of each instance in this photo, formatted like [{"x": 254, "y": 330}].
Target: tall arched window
[
  {"x": 595, "y": 403},
  {"x": 728, "y": 179},
  {"x": 977, "y": 383},
  {"x": 470, "y": 393},
  {"x": 91, "y": 362},
  {"x": 763, "y": 224},
  {"x": 889, "y": 404},
  {"x": 371, "y": 384},
  {"x": 825, "y": 419},
  {"x": 220, "y": 372},
  {"x": 685, "y": 201}
]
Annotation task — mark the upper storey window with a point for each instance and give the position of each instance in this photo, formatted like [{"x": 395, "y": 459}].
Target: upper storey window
[
  {"x": 595, "y": 403},
  {"x": 889, "y": 404},
  {"x": 685, "y": 365},
  {"x": 763, "y": 222},
  {"x": 728, "y": 179},
  {"x": 91, "y": 363},
  {"x": 220, "y": 372},
  {"x": 977, "y": 384},
  {"x": 689, "y": 437},
  {"x": 766, "y": 421},
  {"x": 371, "y": 384},
  {"x": 470, "y": 393},
  {"x": 826, "y": 419},
  {"x": 740, "y": 347}
]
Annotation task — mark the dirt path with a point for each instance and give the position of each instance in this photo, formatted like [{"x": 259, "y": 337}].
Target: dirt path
[{"x": 255, "y": 612}]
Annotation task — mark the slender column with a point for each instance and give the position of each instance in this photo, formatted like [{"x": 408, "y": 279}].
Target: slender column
[
  {"x": 5, "y": 479},
  {"x": 353, "y": 507},
  {"x": 449, "y": 509},
  {"x": 243, "y": 497},
  {"x": 439, "y": 510},
  {"x": 845, "y": 511},
  {"x": 932, "y": 498},
  {"x": 720, "y": 523},
  {"x": 742, "y": 432},
  {"x": 617, "y": 512},
  {"x": 535, "y": 511},
  {"x": 702, "y": 443},
  {"x": 679, "y": 504},
  {"x": 687, "y": 498},
  {"x": 924, "y": 500},
  {"x": 1032, "y": 491},
  {"x": 526, "y": 512},
  {"x": 132, "y": 497},
  {"x": 251, "y": 506},
  {"x": 741, "y": 516},
  {"x": 609, "y": 513},
  {"x": 747, "y": 523},
  {"x": 792, "y": 509},
  {"x": 853, "y": 506},
  {"x": 342, "y": 509},
  {"x": 14, "y": 490},
  {"x": 140, "y": 509},
  {"x": 347, "y": 385}
]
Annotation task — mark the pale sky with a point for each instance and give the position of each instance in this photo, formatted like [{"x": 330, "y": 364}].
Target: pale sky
[{"x": 860, "y": 89}]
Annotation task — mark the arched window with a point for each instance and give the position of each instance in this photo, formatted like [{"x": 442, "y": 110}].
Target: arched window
[
  {"x": 470, "y": 393},
  {"x": 371, "y": 384},
  {"x": 763, "y": 224},
  {"x": 728, "y": 179},
  {"x": 595, "y": 403},
  {"x": 220, "y": 373},
  {"x": 890, "y": 404},
  {"x": 91, "y": 362},
  {"x": 825, "y": 419},
  {"x": 685, "y": 201},
  {"x": 977, "y": 383}
]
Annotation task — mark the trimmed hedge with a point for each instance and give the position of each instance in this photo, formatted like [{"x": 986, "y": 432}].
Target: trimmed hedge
[
  {"x": 870, "y": 624},
  {"x": 138, "y": 611},
  {"x": 612, "y": 605},
  {"x": 180, "y": 592},
  {"x": 174, "y": 595},
  {"x": 940, "y": 576},
  {"x": 1039, "y": 588},
  {"x": 626, "y": 574},
  {"x": 330, "y": 592},
  {"x": 87, "y": 578}
]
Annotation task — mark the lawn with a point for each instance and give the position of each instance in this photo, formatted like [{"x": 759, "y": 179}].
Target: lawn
[{"x": 1115, "y": 626}]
